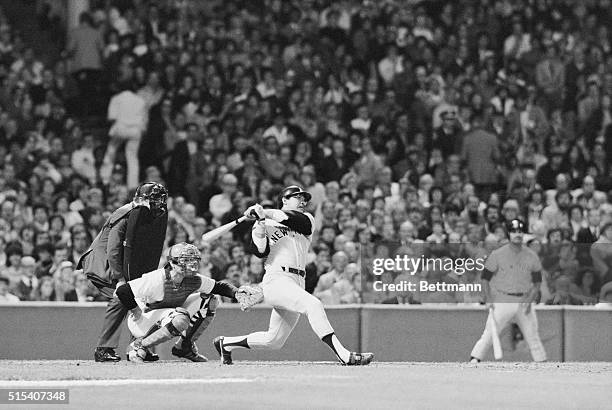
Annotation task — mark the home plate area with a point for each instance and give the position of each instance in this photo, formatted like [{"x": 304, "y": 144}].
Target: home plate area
[{"x": 315, "y": 385}]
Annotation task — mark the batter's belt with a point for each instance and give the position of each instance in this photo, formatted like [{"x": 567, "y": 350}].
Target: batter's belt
[{"x": 298, "y": 272}]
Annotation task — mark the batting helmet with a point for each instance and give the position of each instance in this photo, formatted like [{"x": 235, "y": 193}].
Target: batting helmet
[
  {"x": 290, "y": 191},
  {"x": 186, "y": 256},
  {"x": 515, "y": 225}
]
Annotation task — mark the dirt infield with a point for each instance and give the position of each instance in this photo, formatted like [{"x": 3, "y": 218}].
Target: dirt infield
[{"x": 317, "y": 385}]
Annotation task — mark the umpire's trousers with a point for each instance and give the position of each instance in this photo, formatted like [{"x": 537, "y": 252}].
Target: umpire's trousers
[{"x": 113, "y": 322}]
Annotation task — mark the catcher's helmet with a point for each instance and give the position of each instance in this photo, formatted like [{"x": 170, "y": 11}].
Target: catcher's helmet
[
  {"x": 515, "y": 225},
  {"x": 290, "y": 191},
  {"x": 155, "y": 193},
  {"x": 186, "y": 256}
]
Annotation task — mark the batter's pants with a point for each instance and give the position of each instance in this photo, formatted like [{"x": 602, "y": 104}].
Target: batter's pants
[
  {"x": 285, "y": 292},
  {"x": 504, "y": 313}
]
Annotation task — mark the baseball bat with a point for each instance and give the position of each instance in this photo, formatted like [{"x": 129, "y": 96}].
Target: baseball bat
[
  {"x": 497, "y": 349},
  {"x": 217, "y": 232}
]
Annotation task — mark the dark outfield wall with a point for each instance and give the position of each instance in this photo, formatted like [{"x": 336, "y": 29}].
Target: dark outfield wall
[{"x": 41, "y": 330}]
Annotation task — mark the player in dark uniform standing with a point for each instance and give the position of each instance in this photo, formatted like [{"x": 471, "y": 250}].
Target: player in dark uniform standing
[
  {"x": 129, "y": 245},
  {"x": 511, "y": 283}
]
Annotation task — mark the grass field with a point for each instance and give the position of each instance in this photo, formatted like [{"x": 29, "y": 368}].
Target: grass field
[{"x": 316, "y": 385}]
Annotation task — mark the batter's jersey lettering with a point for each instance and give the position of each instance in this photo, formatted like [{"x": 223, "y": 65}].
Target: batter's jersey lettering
[
  {"x": 287, "y": 247},
  {"x": 511, "y": 269},
  {"x": 149, "y": 288}
]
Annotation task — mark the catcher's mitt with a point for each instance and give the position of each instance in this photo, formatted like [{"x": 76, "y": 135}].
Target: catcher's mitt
[{"x": 248, "y": 296}]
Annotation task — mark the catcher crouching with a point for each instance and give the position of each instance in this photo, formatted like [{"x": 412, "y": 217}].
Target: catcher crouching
[{"x": 175, "y": 301}]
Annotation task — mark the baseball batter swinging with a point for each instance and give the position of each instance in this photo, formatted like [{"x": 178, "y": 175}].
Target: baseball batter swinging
[
  {"x": 511, "y": 282},
  {"x": 284, "y": 236},
  {"x": 170, "y": 302}
]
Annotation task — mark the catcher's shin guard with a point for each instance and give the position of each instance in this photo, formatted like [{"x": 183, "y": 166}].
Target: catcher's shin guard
[
  {"x": 186, "y": 347},
  {"x": 174, "y": 325}
]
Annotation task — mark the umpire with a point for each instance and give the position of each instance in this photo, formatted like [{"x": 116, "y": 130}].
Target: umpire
[{"x": 129, "y": 245}]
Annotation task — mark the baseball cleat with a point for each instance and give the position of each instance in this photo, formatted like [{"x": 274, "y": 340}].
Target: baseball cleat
[
  {"x": 151, "y": 357},
  {"x": 189, "y": 354},
  {"x": 474, "y": 360},
  {"x": 226, "y": 356},
  {"x": 106, "y": 354},
  {"x": 359, "y": 359}
]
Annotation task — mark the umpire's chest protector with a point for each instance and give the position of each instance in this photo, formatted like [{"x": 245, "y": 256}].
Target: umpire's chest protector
[{"x": 175, "y": 296}]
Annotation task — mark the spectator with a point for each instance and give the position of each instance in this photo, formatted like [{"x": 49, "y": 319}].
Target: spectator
[
  {"x": 550, "y": 78},
  {"x": 64, "y": 280},
  {"x": 45, "y": 292},
  {"x": 83, "y": 160},
  {"x": 221, "y": 203},
  {"x": 85, "y": 47},
  {"x": 335, "y": 285},
  {"x": 562, "y": 295},
  {"x": 601, "y": 253},
  {"x": 82, "y": 291},
  {"x": 5, "y": 295},
  {"x": 28, "y": 281},
  {"x": 127, "y": 112},
  {"x": 587, "y": 235},
  {"x": 586, "y": 286},
  {"x": 480, "y": 151},
  {"x": 556, "y": 214}
]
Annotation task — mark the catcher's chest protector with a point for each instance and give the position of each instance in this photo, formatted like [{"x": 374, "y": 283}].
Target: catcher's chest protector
[{"x": 176, "y": 296}]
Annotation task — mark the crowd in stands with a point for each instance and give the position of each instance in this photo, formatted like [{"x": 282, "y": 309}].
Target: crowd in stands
[{"x": 415, "y": 125}]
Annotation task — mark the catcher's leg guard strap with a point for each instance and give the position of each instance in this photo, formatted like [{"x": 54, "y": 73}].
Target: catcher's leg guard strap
[
  {"x": 199, "y": 321},
  {"x": 175, "y": 324}
]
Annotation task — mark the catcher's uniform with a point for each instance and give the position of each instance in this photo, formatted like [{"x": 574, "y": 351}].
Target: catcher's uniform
[
  {"x": 157, "y": 297},
  {"x": 511, "y": 281},
  {"x": 283, "y": 284}
]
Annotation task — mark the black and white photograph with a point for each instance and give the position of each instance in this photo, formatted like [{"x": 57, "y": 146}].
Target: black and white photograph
[{"x": 306, "y": 204}]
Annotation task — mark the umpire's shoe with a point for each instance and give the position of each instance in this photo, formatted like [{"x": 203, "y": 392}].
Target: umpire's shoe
[
  {"x": 106, "y": 354},
  {"x": 359, "y": 359},
  {"x": 226, "y": 355},
  {"x": 190, "y": 353}
]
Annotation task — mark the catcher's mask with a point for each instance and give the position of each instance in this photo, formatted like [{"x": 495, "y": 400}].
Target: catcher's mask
[
  {"x": 185, "y": 257},
  {"x": 290, "y": 191},
  {"x": 154, "y": 194}
]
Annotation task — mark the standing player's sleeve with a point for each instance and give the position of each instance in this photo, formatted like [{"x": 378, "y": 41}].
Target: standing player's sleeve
[
  {"x": 490, "y": 267},
  {"x": 536, "y": 270}
]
